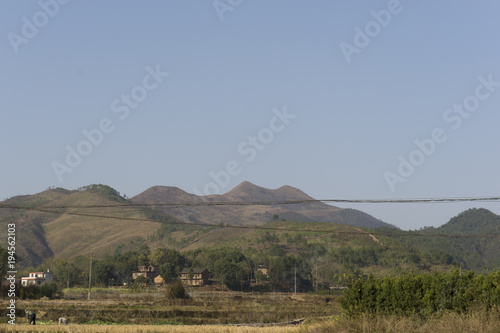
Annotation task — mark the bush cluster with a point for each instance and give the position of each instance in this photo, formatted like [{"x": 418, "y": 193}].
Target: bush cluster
[
  {"x": 422, "y": 294},
  {"x": 37, "y": 292},
  {"x": 176, "y": 290}
]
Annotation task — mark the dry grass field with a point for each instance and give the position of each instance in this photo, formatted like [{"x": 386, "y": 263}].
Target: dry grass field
[
  {"x": 475, "y": 323},
  {"x": 205, "y": 311},
  {"x": 204, "y": 308},
  {"x": 478, "y": 322},
  {"x": 228, "y": 312},
  {"x": 144, "y": 329}
]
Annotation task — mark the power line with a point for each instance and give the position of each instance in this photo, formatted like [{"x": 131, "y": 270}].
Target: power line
[
  {"x": 262, "y": 227},
  {"x": 270, "y": 203}
]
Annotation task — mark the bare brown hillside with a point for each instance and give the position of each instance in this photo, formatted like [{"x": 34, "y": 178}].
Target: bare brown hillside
[
  {"x": 41, "y": 234},
  {"x": 252, "y": 214},
  {"x": 96, "y": 219}
]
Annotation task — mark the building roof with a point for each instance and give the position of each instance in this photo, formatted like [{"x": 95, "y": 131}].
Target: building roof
[
  {"x": 48, "y": 272},
  {"x": 147, "y": 268}
]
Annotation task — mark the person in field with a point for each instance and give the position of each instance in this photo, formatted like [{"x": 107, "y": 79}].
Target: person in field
[{"x": 31, "y": 316}]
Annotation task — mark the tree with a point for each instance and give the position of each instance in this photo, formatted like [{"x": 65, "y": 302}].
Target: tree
[
  {"x": 162, "y": 256},
  {"x": 169, "y": 271},
  {"x": 102, "y": 272},
  {"x": 126, "y": 263},
  {"x": 3, "y": 261},
  {"x": 143, "y": 260},
  {"x": 230, "y": 274},
  {"x": 282, "y": 272},
  {"x": 65, "y": 273},
  {"x": 176, "y": 290},
  {"x": 36, "y": 292},
  {"x": 170, "y": 262},
  {"x": 228, "y": 265},
  {"x": 141, "y": 280},
  {"x": 276, "y": 250}
]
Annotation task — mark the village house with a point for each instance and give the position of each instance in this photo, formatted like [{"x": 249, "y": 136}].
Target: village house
[
  {"x": 37, "y": 278},
  {"x": 261, "y": 274},
  {"x": 158, "y": 280},
  {"x": 195, "y": 276},
  {"x": 116, "y": 279},
  {"x": 149, "y": 272},
  {"x": 263, "y": 270}
]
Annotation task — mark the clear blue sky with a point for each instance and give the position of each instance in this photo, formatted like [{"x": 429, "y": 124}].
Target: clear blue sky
[{"x": 354, "y": 119}]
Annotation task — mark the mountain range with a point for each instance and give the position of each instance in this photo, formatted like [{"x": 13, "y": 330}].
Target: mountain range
[
  {"x": 247, "y": 192},
  {"x": 459, "y": 238},
  {"x": 97, "y": 220}
]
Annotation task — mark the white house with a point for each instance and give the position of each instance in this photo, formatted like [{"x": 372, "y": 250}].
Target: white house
[{"x": 38, "y": 278}]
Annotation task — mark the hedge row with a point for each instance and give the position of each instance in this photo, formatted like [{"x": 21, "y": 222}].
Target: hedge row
[{"x": 422, "y": 294}]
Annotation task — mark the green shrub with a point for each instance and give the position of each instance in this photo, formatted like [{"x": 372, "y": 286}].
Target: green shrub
[
  {"x": 176, "y": 290},
  {"x": 423, "y": 295},
  {"x": 37, "y": 292}
]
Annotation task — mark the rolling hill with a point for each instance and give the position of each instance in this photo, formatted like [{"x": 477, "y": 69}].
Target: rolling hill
[
  {"x": 471, "y": 252},
  {"x": 65, "y": 223},
  {"x": 253, "y": 214},
  {"x": 50, "y": 231},
  {"x": 96, "y": 220}
]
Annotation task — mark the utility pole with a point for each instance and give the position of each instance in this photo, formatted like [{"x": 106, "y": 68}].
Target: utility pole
[
  {"x": 316, "y": 278},
  {"x": 90, "y": 274},
  {"x": 295, "y": 293}
]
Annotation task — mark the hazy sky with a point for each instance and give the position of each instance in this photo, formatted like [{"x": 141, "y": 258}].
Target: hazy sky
[{"x": 342, "y": 99}]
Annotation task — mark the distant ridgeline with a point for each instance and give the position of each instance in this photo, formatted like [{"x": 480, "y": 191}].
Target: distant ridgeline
[
  {"x": 468, "y": 252},
  {"x": 317, "y": 232}
]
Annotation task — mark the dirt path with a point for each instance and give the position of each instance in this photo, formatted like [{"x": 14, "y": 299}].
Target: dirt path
[{"x": 372, "y": 236}]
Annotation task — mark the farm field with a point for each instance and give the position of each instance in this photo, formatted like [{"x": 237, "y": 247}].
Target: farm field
[
  {"x": 228, "y": 312},
  {"x": 478, "y": 322},
  {"x": 146, "y": 328},
  {"x": 202, "y": 308}
]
